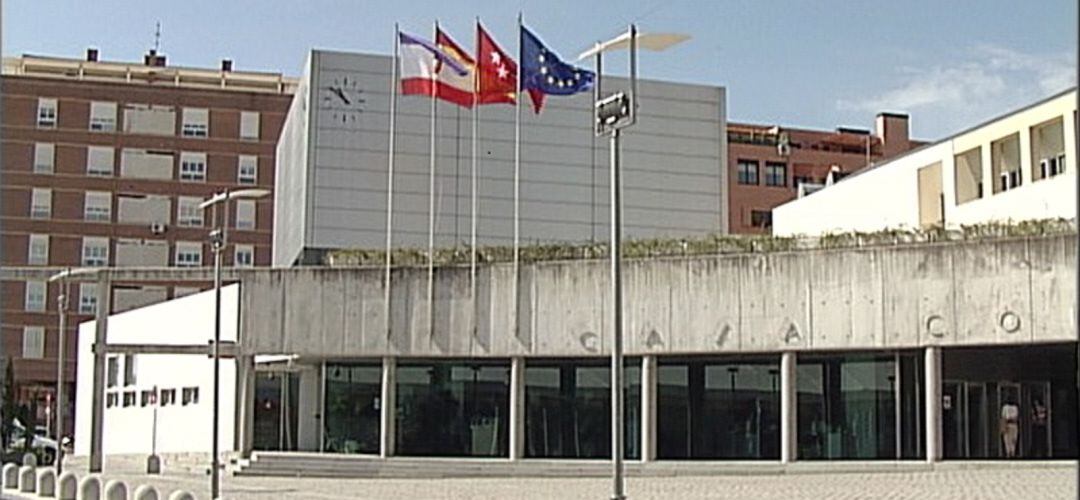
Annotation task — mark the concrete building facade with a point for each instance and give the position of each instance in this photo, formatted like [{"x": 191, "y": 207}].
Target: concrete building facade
[
  {"x": 104, "y": 166},
  {"x": 333, "y": 155},
  {"x": 1015, "y": 167}
]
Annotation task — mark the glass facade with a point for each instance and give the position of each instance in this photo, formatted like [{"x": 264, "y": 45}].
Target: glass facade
[
  {"x": 277, "y": 403},
  {"x": 716, "y": 408},
  {"x": 453, "y": 408},
  {"x": 353, "y": 392},
  {"x": 849, "y": 406},
  {"x": 568, "y": 408}
]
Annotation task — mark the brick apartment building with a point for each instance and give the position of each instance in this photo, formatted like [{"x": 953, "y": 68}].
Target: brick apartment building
[
  {"x": 104, "y": 164},
  {"x": 768, "y": 163}
]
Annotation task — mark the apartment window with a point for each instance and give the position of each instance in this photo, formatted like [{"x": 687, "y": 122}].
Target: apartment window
[
  {"x": 46, "y": 113},
  {"x": 112, "y": 371},
  {"x": 33, "y": 342},
  {"x": 245, "y": 214},
  {"x": 41, "y": 203},
  {"x": 87, "y": 298},
  {"x": 249, "y": 125},
  {"x": 967, "y": 175},
  {"x": 775, "y": 174},
  {"x": 38, "y": 253},
  {"x": 44, "y": 158},
  {"x": 129, "y": 399},
  {"x": 244, "y": 256},
  {"x": 748, "y": 172},
  {"x": 98, "y": 206},
  {"x": 148, "y": 397},
  {"x": 188, "y": 254},
  {"x": 247, "y": 169},
  {"x": 761, "y": 218},
  {"x": 188, "y": 213},
  {"x": 35, "y": 296},
  {"x": 129, "y": 369},
  {"x": 196, "y": 122},
  {"x": 103, "y": 116},
  {"x": 99, "y": 160},
  {"x": 95, "y": 252},
  {"x": 168, "y": 397},
  {"x": 190, "y": 396},
  {"x": 193, "y": 166},
  {"x": 110, "y": 400}
]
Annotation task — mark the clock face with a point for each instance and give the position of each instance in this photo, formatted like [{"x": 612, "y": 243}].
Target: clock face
[{"x": 344, "y": 98}]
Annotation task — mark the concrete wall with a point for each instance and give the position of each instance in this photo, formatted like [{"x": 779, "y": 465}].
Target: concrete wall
[
  {"x": 181, "y": 428},
  {"x": 989, "y": 292},
  {"x": 886, "y": 196},
  {"x": 673, "y": 162}
]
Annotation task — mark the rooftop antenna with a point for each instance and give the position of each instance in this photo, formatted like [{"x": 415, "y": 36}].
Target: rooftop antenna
[{"x": 157, "y": 37}]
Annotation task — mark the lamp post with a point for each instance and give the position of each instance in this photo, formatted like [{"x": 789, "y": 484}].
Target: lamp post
[
  {"x": 614, "y": 113},
  {"x": 218, "y": 241},
  {"x": 61, "y": 307}
]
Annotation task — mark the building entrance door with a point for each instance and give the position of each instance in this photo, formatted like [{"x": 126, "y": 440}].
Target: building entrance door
[
  {"x": 965, "y": 419},
  {"x": 996, "y": 419},
  {"x": 276, "y": 407}
]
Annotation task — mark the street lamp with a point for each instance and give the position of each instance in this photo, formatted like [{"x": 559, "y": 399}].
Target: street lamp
[
  {"x": 614, "y": 113},
  {"x": 61, "y": 307},
  {"x": 218, "y": 240}
]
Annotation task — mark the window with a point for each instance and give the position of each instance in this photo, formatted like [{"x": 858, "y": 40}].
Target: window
[
  {"x": 112, "y": 371},
  {"x": 193, "y": 166},
  {"x": 244, "y": 256},
  {"x": 188, "y": 212},
  {"x": 190, "y": 396},
  {"x": 245, "y": 214},
  {"x": 168, "y": 397},
  {"x": 35, "y": 296},
  {"x": 41, "y": 203},
  {"x": 87, "y": 298},
  {"x": 38, "y": 253},
  {"x": 775, "y": 174},
  {"x": 129, "y": 369},
  {"x": 44, "y": 158},
  {"x": 748, "y": 173},
  {"x": 761, "y": 218},
  {"x": 196, "y": 122},
  {"x": 103, "y": 116},
  {"x": 46, "y": 113},
  {"x": 247, "y": 169},
  {"x": 129, "y": 399},
  {"x": 148, "y": 397},
  {"x": 188, "y": 254},
  {"x": 98, "y": 206},
  {"x": 33, "y": 342},
  {"x": 95, "y": 252},
  {"x": 249, "y": 125},
  {"x": 110, "y": 400},
  {"x": 99, "y": 161}
]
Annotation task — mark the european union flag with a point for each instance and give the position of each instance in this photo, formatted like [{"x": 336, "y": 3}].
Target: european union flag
[{"x": 543, "y": 73}]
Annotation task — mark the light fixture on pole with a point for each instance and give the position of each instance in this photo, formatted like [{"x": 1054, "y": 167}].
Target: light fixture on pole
[
  {"x": 218, "y": 240},
  {"x": 61, "y": 306},
  {"x": 614, "y": 113}
]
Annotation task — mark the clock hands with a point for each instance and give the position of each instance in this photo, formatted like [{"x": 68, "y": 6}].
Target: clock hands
[{"x": 341, "y": 94}]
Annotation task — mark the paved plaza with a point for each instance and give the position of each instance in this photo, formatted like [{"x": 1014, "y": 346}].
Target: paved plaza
[{"x": 1005, "y": 481}]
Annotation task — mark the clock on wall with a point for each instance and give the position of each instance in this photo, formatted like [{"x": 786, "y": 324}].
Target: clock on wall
[{"x": 344, "y": 99}]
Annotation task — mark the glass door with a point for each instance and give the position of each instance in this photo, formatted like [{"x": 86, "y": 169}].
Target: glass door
[
  {"x": 954, "y": 434},
  {"x": 276, "y": 405},
  {"x": 977, "y": 420},
  {"x": 1009, "y": 415},
  {"x": 1035, "y": 420}
]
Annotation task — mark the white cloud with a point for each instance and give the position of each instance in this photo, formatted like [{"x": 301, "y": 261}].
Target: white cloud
[{"x": 987, "y": 81}]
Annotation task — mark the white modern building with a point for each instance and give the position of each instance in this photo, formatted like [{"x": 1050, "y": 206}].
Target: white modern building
[
  {"x": 332, "y": 158},
  {"x": 1013, "y": 168},
  {"x": 159, "y": 400}
]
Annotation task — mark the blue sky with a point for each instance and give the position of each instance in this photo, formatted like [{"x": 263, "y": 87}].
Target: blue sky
[{"x": 949, "y": 63}]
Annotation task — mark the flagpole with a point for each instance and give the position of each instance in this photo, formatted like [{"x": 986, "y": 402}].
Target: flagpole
[
  {"x": 475, "y": 174},
  {"x": 390, "y": 176},
  {"x": 431, "y": 204},
  {"x": 517, "y": 180}
]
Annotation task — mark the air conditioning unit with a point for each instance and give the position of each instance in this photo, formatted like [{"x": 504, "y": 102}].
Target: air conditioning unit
[{"x": 158, "y": 228}]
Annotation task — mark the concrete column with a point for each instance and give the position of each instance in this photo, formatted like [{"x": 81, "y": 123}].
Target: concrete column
[
  {"x": 245, "y": 405},
  {"x": 388, "y": 407},
  {"x": 932, "y": 367},
  {"x": 789, "y": 420},
  {"x": 517, "y": 407},
  {"x": 648, "y": 408},
  {"x": 97, "y": 417}
]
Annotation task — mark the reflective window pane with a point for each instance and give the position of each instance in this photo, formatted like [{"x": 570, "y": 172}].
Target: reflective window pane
[
  {"x": 847, "y": 407},
  {"x": 453, "y": 408},
  {"x": 353, "y": 395}
]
